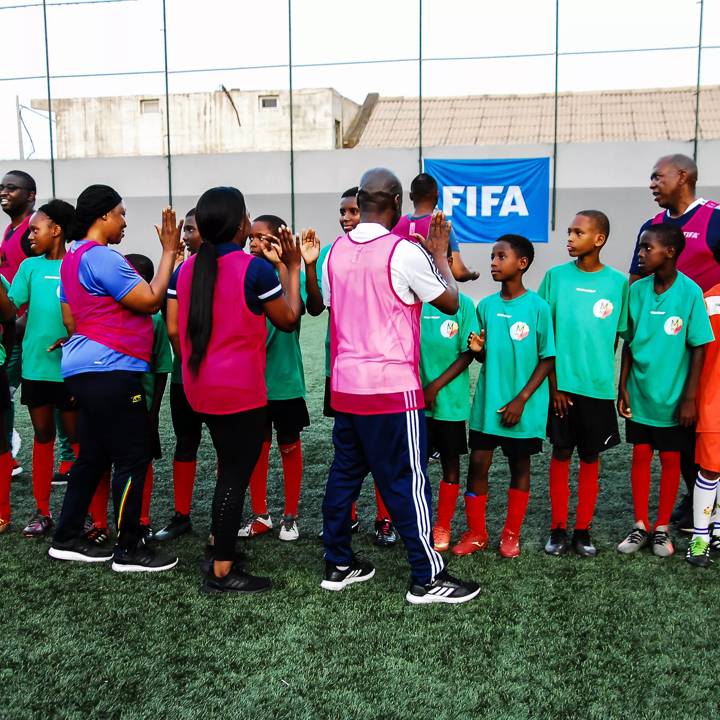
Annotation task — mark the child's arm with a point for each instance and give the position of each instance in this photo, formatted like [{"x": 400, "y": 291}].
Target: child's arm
[
  {"x": 431, "y": 390},
  {"x": 476, "y": 345},
  {"x": 310, "y": 250},
  {"x": 512, "y": 412},
  {"x": 8, "y": 311},
  {"x": 560, "y": 400},
  {"x": 173, "y": 327},
  {"x": 623, "y": 403},
  {"x": 687, "y": 409}
]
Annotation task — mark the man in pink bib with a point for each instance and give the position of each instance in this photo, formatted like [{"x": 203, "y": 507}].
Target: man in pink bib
[
  {"x": 17, "y": 199},
  {"x": 672, "y": 183},
  {"x": 374, "y": 285}
]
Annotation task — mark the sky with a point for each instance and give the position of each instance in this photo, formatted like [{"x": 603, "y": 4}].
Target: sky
[{"x": 206, "y": 39}]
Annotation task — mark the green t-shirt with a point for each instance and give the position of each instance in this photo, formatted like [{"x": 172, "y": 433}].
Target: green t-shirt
[
  {"x": 176, "y": 377},
  {"x": 284, "y": 372},
  {"x": 36, "y": 285},
  {"x": 588, "y": 312},
  {"x": 518, "y": 334},
  {"x": 661, "y": 330},
  {"x": 161, "y": 362},
  {"x": 443, "y": 338},
  {"x": 319, "y": 270}
]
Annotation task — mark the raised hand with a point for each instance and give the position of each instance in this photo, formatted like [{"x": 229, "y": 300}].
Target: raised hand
[
  {"x": 169, "y": 231},
  {"x": 476, "y": 342},
  {"x": 309, "y": 246},
  {"x": 271, "y": 249},
  {"x": 290, "y": 254},
  {"x": 438, "y": 237}
]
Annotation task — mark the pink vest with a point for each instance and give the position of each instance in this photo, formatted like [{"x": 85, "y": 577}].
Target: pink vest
[
  {"x": 11, "y": 252},
  {"x": 697, "y": 260},
  {"x": 102, "y": 318},
  {"x": 231, "y": 377},
  {"x": 375, "y": 336},
  {"x": 407, "y": 226}
]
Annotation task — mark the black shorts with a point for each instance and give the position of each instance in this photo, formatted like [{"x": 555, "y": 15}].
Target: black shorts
[
  {"x": 662, "y": 439},
  {"x": 591, "y": 426},
  {"x": 513, "y": 448},
  {"x": 36, "y": 393},
  {"x": 288, "y": 417},
  {"x": 327, "y": 408},
  {"x": 446, "y": 437},
  {"x": 5, "y": 400}
]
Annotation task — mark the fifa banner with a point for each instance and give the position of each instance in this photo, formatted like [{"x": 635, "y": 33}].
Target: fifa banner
[{"x": 488, "y": 198}]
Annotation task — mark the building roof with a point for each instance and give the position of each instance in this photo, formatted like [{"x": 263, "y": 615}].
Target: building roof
[{"x": 608, "y": 116}]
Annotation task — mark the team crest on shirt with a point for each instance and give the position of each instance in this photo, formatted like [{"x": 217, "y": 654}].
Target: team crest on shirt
[
  {"x": 449, "y": 329},
  {"x": 519, "y": 331},
  {"x": 602, "y": 309},
  {"x": 673, "y": 325}
]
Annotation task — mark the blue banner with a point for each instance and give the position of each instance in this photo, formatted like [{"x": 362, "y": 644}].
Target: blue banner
[{"x": 488, "y": 198}]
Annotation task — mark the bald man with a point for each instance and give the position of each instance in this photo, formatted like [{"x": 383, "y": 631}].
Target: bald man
[
  {"x": 374, "y": 284},
  {"x": 672, "y": 183}
]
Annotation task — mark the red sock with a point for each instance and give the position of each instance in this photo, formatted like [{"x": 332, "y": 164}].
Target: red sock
[
  {"x": 517, "y": 506},
  {"x": 475, "y": 506},
  {"x": 5, "y": 479},
  {"x": 353, "y": 512},
  {"x": 588, "y": 486},
  {"x": 65, "y": 465},
  {"x": 99, "y": 503},
  {"x": 43, "y": 463},
  {"x": 640, "y": 479},
  {"x": 669, "y": 483},
  {"x": 146, "y": 496},
  {"x": 447, "y": 499},
  {"x": 258, "y": 481},
  {"x": 559, "y": 492},
  {"x": 183, "y": 484},
  {"x": 381, "y": 512},
  {"x": 292, "y": 463}
]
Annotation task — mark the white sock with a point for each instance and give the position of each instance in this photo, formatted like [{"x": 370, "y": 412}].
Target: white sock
[
  {"x": 715, "y": 518},
  {"x": 704, "y": 502}
]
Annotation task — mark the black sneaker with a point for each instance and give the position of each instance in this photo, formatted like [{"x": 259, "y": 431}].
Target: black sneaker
[
  {"x": 179, "y": 525},
  {"x": 582, "y": 543},
  {"x": 557, "y": 543},
  {"x": 207, "y": 559},
  {"x": 682, "y": 515},
  {"x": 236, "y": 581},
  {"x": 384, "y": 535},
  {"x": 59, "y": 479},
  {"x": 443, "y": 589},
  {"x": 336, "y": 579},
  {"x": 144, "y": 558},
  {"x": 715, "y": 544},
  {"x": 80, "y": 549}
]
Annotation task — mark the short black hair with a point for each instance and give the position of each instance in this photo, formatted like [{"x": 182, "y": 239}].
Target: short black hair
[
  {"x": 423, "y": 186},
  {"x": 669, "y": 235},
  {"x": 190, "y": 212},
  {"x": 60, "y": 212},
  {"x": 350, "y": 192},
  {"x": 29, "y": 179},
  {"x": 520, "y": 245},
  {"x": 143, "y": 264},
  {"x": 599, "y": 218},
  {"x": 273, "y": 221}
]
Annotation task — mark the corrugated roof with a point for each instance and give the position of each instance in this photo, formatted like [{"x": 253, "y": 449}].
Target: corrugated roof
[{"x": 609, "y": 116}]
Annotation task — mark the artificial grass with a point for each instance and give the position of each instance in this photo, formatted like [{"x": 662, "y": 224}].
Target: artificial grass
[{"x": 613, "y": 637}]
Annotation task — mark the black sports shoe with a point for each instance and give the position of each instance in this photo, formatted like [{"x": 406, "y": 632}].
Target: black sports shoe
[
  {"x": 384, "y": 535},
  {"x": 357, "y": 571},
  {"x": 179, "y": 525},
  {"x": 207, "y": 559},
  {"x": 237, "y": 581},
  {"x": 60, "y": 478},
  {"x": 582, "y": 543},
  {"x": 144, "y": 558},
  {"x": 80, "y": 549},
  {"x": 682, "y": 515},
  {"x": 443, "y": 589},
  {"x": 557, "y": 543}
]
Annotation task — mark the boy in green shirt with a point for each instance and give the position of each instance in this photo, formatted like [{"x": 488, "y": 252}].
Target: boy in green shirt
[
  {"x": 588, "y": 302},
  {"x": 662, "y": 358},
  {"x": 517, "y": 348},
  {"x": 445, "y": 376}
]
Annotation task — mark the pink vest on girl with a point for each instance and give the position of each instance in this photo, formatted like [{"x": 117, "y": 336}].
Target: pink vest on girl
[
  {"x": 375, "y": 336},
  {"x": 11, "y": 252},
  {"x": 231, "y": 377},
  {"x": 697, "y": 260},
  {"x": 102, "y": 318}
]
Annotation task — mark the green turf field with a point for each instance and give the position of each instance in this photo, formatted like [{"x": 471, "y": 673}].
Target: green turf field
[{"x": 561, "y": 638}]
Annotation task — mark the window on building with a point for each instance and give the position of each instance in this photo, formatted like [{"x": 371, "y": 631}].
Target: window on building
[
  {"x": 268, "y": 101},
  {"x": 338, "y": 134},
  {"x": 149, "y": 106}
]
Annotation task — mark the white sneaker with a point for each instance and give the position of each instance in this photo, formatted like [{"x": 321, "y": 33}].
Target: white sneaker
[
  {"x": 637, "y": 538},
  {"x": 289, "y": 528},
  {"x": 256, "y": 525},
  {"x": 662, "y": 544},
  {"x": 16, "y": 443}
]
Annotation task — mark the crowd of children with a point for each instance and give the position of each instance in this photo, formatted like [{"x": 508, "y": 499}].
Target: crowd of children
[{"x": 96, "y": 355}]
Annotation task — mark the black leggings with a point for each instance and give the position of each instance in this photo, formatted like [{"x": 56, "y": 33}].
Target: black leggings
[
  {"x": 113, "y": 429},
  {"x": 187, "y": 425},
  {"x": 237, "y": 440}
]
